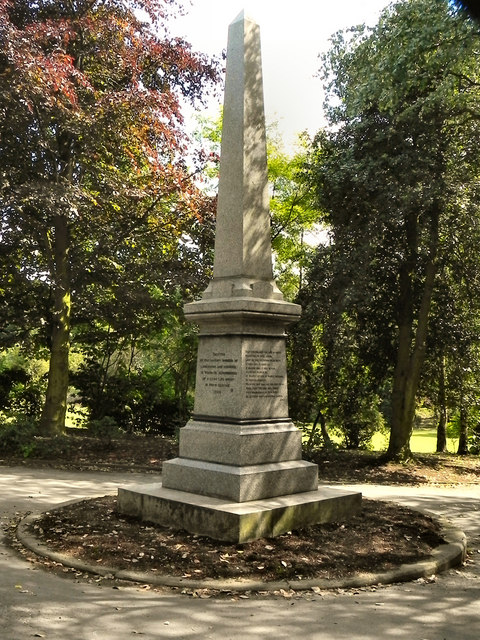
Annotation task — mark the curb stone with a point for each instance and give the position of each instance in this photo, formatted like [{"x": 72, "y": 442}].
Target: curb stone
[{"x": 444, "y": 557}]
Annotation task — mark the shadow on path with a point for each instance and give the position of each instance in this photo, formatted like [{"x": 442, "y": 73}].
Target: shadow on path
[{"x": 34, "y": 601}]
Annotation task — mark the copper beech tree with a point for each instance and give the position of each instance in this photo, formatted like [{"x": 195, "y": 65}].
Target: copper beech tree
[{"x": 92, "y": 148}]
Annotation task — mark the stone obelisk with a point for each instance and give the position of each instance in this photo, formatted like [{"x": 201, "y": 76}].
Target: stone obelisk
[{"x": 239, "y": 474}]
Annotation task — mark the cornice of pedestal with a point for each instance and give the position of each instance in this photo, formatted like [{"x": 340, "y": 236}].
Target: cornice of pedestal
[
  {"x": 242, "y": 299},
  {"x": 252, "y": 305},
  {"x": 242, "y": 315}
]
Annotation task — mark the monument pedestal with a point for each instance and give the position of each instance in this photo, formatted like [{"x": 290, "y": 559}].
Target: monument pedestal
[
  {"x": 239, "y": 475},
  {"x": 241, "y": 444}
]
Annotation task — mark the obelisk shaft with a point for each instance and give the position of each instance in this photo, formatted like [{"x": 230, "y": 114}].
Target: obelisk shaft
[{"x": 243, "y": 245}]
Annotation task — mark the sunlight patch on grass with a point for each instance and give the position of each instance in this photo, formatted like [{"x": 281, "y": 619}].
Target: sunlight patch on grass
[{"x": 423, "y": 441}]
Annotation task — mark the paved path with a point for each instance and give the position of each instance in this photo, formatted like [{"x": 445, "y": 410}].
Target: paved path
[{"x": 35, "y": 603}]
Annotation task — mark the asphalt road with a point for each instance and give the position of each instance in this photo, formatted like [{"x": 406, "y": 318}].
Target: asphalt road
[{"x": 37, "y": 603}]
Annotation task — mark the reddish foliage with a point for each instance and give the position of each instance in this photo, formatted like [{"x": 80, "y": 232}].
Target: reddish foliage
[
  {"x": 92, "y": 153},
  {"x": 95, "y": 70}
]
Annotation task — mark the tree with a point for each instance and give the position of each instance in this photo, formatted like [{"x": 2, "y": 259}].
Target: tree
[
  {"x": 293, "y": 214},
  {"x": 450, "y": 376},
  {"x": 394, "y": 175},
  {"x": 330, "y": 375},
  {"x": 91, "y": 94}
]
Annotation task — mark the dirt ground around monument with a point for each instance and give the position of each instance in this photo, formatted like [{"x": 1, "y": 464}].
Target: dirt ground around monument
[{"x": 381, "y": 537}]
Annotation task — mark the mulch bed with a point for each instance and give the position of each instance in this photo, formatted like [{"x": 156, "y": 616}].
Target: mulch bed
[{"x": 382, "y": 536}]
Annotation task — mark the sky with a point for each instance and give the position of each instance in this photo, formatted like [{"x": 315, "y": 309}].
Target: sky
[{"x": 293, "y": 34}]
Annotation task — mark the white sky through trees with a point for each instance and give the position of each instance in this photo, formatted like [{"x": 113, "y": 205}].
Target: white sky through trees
[{"x": 294, "y": 33}]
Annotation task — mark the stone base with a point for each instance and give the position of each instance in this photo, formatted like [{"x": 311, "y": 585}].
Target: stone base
[
  {"x": 246, "y": 443},
  {"x": 237, "y": 522},
  {"x": 241, "y": 484}
]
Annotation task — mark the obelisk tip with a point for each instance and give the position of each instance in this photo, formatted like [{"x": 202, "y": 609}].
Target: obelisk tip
[{"x": 243, "y": 16}]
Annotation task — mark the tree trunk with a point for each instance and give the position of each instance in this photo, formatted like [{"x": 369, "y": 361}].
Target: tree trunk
[
  {"x": 410, "y": 361},
  {"x": 327, "y": 443},
  {"x": 54, "y": 411},
  {"x": 442, "y": 409},
  {"x": 401, "y": 425},
  {"x": 463, "y": 435}
]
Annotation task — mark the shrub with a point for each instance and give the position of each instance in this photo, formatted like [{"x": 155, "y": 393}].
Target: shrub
[
  {"x": 105, "y": 429},
  {"x": 18, "y": 436},
  {"x": 19, "y": 392},
  {"x": 137, "y": 402}
]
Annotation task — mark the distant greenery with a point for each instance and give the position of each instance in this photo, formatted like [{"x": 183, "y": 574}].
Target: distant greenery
[
  {"x": 107, "y": 227},
  {"x": 392, "y": 302}
]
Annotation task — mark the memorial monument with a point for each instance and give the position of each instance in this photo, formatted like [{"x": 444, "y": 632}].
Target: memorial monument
[{"x": 239, "y": 475}]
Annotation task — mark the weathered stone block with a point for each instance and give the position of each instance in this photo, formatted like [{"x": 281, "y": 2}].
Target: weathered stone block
[
  {"x": 241, "y": 444},
  {"x": 238, "y": 522},
  {"x": 242, "y": 484}
]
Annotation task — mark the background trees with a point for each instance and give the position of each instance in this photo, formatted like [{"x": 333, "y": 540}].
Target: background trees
[
  {"x": 97, "y": 199},
  {"x": 396, "y": 176},
  {"x": 107, "y": 216}
]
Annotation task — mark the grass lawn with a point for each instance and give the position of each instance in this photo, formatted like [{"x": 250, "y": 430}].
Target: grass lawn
[{"x": 423, "y": 441}]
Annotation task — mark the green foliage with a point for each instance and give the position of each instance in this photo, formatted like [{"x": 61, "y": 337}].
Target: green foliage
[
  {"x": 295, "y": 220},
  {"x": 104, "y": 429},
  {"x": 326, "y": 375},
  {"x": 21, "y": 385},
  {"x": 143, "y": 385},
  {"x": 475, "y": 439},
  {"x": 396, "y": 177},
  {"x": 355, "y": 409},
  {"x": 17, "y": 436},
  {"x": 100, "y": 204},
  {"x": 209, "y": 137},
  {"x": 131, "y": 401}
]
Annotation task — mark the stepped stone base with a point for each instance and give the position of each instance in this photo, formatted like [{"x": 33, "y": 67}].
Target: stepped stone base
[
  {"x": 237, "y": 522},
  {"x": 242, "y": 484}
]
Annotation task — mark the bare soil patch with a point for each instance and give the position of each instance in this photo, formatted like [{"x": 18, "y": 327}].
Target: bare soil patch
[{"x": 382, "y": 536}]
